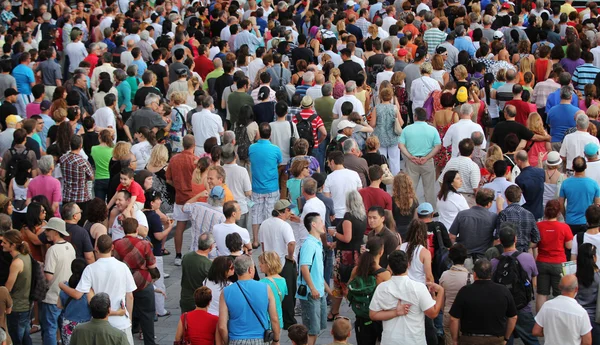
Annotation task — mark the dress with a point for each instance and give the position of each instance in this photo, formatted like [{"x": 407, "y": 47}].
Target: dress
[
  {"x": 159, "y": 183},
  {"x": 445, "y": 153},
  {"x": 384, "y": 126}
]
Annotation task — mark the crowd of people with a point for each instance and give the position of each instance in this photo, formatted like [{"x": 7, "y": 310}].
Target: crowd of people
[{"x": 301, "y": 129}]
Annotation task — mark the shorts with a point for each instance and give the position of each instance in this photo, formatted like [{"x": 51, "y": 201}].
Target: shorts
[
  {"x": 548, "y": 277},
  {"x": 179, "y": 215},
  {"x": 314, "y": 314},
  {"x": 263, "y": 206}
]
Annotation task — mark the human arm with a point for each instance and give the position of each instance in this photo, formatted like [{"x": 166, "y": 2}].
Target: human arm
[
  {"x": 163, "y": 234},
  {"x": 373, "y": 119},
  {"x": 384, "y": 315},
  {"x": 454, "y": 328},
  {"x": 179, "y": 332},
  {"x": 425, "y": 257},
  {"x": 510, "y": 326},
  {"x": 346, "y": 235},
  {"x": 223, "y": 319},
  {"x": 291, "y": 247},
  {"x": 70, "y": 291},
  {"x": 16, "y": 267},
  {"x": 305, "y": 271},
  {"x": 433, "y": 312},
  {"x": 273, "y": 316},
  {"x": 586, "y": 339}
]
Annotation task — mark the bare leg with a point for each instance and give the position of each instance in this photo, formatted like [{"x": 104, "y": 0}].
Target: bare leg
[
  {"x": 255, "y": 243},
  {"x": 539, "y": 301},
  {"x": 312, "y": 339},
  {"x": 335, "y": 306}
]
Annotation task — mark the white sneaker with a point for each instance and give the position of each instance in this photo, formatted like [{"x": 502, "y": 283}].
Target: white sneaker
[
  {"x": 177, "y": 261},
  {"x": 167, "y": 275}
]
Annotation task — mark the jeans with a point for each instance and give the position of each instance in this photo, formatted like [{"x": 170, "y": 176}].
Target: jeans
[
  {"x": 49, "y": 314},
  {"x": 143, "y": 312},
  {"x": 595, "y": 332},
  {"x": 19, "y": 324},
  {"x": 319, "y": 153},
  {"x": 430, "y": 332},
  {"x": 101, "y": 189},
  {"x": 525, "y": 322}
]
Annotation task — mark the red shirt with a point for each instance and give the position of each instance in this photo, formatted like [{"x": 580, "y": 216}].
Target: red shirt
[
  {"x": 136, "y": 190},
  {"x": 375, "y": 197},
  {"x": 316, "y": 123},
  {"x": 413, "y": 30},
  {"x": 93, "y": 60},
  {"x": 553, "y": 236},
  {"x": 523, "y": 111},
  {"x": 180, "y": 172},
  {"x": 201, "y": 327},
  {"x": 203, "y": 66},
  {"x": 137, "y": 255}
]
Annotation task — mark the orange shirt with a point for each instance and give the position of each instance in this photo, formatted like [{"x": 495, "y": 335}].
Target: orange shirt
[{"x": 180, "y": 172}]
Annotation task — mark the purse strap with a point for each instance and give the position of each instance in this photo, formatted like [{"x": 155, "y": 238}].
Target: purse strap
[
  {"x": 185, "y": 328},
  {"x": 277, "y": 287},
  {"x": 250, "y": 305}
]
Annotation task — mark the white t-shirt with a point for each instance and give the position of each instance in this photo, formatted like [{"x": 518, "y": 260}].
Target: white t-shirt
[
  {"x": 339, "y": 183},
  {"x": 206, "y": 125},
  {"x": 383, "y": 76},
  {"x": 276, "y": 234},
  {"x": 573, "y": 145},
  {"x": 142, "y": 152},
  {"x": 113, "y": 277},
  {"x": 238, "y": 181},
  {"x": 58, "y": 262},
  {"x": 410, "y": 327},
  {"x": 587, "y": 238},
  {"x": 216, "y": 289},
  {"x": 459, "y": 131},
  {"x": 76, "y": 52},
  {"x": 116, "y": 229},
  {"x": 593, "y": 171},
  {"x": 105, "y": 118},
  {"x": 220, "y": 232},
  {"x": 358, "y": 106},
  {"x": 387, "y": 22},
  {"x": 564, "y": 321},
  {"x": 280, "y": 136},
  {"x": 449, "y": 208}
]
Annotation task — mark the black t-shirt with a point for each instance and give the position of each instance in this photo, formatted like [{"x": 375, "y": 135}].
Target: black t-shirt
[
  {"x": 161, "y": 73},
  {"x": 90, "y": 139},
  {"x": 154, "y": 226},
  {"x": 32, "y": 145},
  {"x": 376, "y": 59},
  {"x": 402, "y": 220},
  {"x": 504, "y": 128},
  {"x": 220, "y": 84},
  {"x": 302, "y": 53},
  {"x": 358, "y": 231},
  {"x": 142, "y": 92},
  {"x": 6, "y": 109},
  {"x": 52, "y": 132},
  {"x": 480, "y": 314},
  {"x": 349, "y": 70},
  {"x": 79, "y": 238},
  {"x": 5, "y": 261},
  {"x": 264, "y": 112}
]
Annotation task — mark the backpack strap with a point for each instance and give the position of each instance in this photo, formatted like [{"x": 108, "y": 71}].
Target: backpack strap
[
  {"x": 580, "y": 237},
  {"x": 516, "y": 254},
  {"x": 311, "y": 118},
  {"x": 380, "y": 270},
  {"x": 299, "y": 118}
]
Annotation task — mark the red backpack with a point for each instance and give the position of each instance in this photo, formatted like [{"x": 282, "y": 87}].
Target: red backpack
[{"x": 430, "y": 237}]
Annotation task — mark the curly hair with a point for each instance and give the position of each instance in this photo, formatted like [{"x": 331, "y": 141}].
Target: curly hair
[
  {"x": 97, "y": 211},
  {"x": 404, "y": 194},
  {"x": 416, "y": 235},
  {"x": 535, "y": 124},
  {"x": 121, "y": 151}
]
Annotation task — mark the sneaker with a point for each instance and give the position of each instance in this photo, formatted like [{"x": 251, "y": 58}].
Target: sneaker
[
  {"x": 177, "y": 262},
  {"x": 167, "y": 275}
]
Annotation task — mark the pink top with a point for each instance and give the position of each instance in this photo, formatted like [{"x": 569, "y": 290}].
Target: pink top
[
  {"x": 32, "y": 109},
  {"x": 47, "y": 186},
  {"x": 582, "y": 105}
]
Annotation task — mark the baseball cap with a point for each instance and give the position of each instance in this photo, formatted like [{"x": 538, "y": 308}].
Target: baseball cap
[
  {"x": 307, "y": 102},
  {"x": 345, "y": 124},
  {"x": 506, "y": 5},
  {"x": 45, "y": 105},
  {"x": 498, "y": 35},
  {"x": 57, "y": 225},
  {"x": 228, "y": 154},
  {"x": 282, "y": 204},
  {"x": 591, "y": 149},
  {"x": 217, "y": 193},
  {"x": 402, "y": 52},
  {"x": 462, "y": 95},
  {"x": 10, "y": 92},
  {"x": 421, "y": 52},
  {"x": 350, "y": 3},
  {"x": 440, "y": 50},
  {"x": 424, "y": 209},
  {"x": 181, "y": 71},
  {"x": 13, "y": 119}
]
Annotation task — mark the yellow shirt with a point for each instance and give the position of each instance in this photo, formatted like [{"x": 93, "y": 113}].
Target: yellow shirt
[{"x": 567, "y": 8}]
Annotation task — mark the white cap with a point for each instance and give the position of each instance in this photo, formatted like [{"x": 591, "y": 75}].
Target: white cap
[
  {"x": 498, "y": 34},
  {"x": 345, "y": 124}
]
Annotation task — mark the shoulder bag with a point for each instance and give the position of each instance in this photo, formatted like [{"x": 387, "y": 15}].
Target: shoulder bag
[
  {"x": 268, "y": 336},
  {"x": 184, "y": 338}
]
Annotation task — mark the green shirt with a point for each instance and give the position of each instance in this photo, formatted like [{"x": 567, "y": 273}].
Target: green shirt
[
  {"x": 420, "y": 138},
  {"x": 324, "y": 108},
  {"x": 194, "y": 269},
  {"x": 37, "y": 138},
  {"x": 235, "y": 102},
  {"x": 214, "y": 74},
  {"x": 22, "y": 286},
  {"x": 133, "y": 82},
  {"x": 97, "y": 332},
  {"x": 102, "y": 156}
]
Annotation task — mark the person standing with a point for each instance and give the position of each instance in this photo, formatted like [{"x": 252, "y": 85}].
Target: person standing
[
  {"x": 264, "y": 161},
  {"x": 57, "y": 268},
  {"x": 562, "y": 320},
  {"x": 76, "y": 171},
  {"x": 573, "y": 144},
  {"x": 194, "y": 270},
  {"x": 238, "y": 181},
  {"x": 232, "y": 213},
  {"x": 531, "y": 181},
  {"x": 522, "y": 219},
  {"x": 391, "y": 240},
  {"x": 477, "y": 319},
  {"x": 179, "y": 175},
  {"x": 340, "y": 182},
  {"x": 468, "y": 170},
  {"x": 578, "y": 192},
  {"x": 464, "y": 128},
  {"x": 419, "y": 142},
  {"x": 99, "y": 330}
]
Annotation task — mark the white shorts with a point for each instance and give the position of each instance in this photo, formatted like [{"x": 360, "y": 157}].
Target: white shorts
[{"x": 179, "y": 215}]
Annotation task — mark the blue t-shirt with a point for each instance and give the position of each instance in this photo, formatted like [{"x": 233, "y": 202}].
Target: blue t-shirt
[
  {"x": 243, "y": 323},
  {"x": 142, "y": 66},
  {"x": 560, "y": 118},
  {"x": 311, "y": 254},
  {"x": 580, "y": 193},
  {"x": 554, "y": 99},
  {"x": 531, "y": 181},
  {"x": 420, "y": 138},
  {"x": 24, "y": 76},
  {"x": 264, "y": 158},
  {"x": 279, "y": 290},
  {"x": 77, "y": 310}
]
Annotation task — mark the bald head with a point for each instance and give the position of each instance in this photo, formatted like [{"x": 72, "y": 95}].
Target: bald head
[
  {"x": 218, "y": 63},
  {"x": 568, "y": 285},
  {"x": 435, "y": 22},
  {"x": 130, "y": 44}
]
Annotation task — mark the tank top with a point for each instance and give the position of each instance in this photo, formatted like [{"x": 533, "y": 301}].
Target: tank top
[
  {"x": 20, "y": 193},
  {"x": 416, "y": 270},
  {"x": 20, "y": 291}
]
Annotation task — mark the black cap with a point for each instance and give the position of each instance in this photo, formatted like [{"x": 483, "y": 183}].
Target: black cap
[
  {"x": 440, "y": 50},
  {"x": 10, "y": 92},
  {"x": 181, "y": 71}
]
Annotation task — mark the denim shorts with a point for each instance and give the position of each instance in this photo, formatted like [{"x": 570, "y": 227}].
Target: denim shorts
[{"x": 314, "y": 314}]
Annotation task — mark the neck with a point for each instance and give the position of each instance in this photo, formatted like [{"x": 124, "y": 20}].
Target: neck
[
  {"x": 592, "y": 230},
  {"x": 76, "y": 152},
  {"x": 569, "y": 294},
  {"x": 378, "y": 229},
  {"x": 230, "y": 220},
  {"x": 315, "y": 233},
  {"x": 375, "y": 184},
  {"x": 511, "y": 248},
  {"x": 246, "y": 276},
  {"x": 579, "y": 174},
  {"x": 104, "y": 255}
]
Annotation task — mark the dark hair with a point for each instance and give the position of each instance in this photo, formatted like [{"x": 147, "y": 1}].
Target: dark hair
[
  {"x": 507, "y": 233},
  {"x": 336, "y": 156},
  {"x": 592, "y": 216},
  {"x": 43, "y": 200},
  {"x": 416, "y": 235},
  {"x": 466, "y": 147},
  {"x": 23, "y": 171},
  {"x": 130, "y": 226},
  {"x": 309, "y": 218},
  {"x": 552, "y": 209},
  {"x": 513, "y": 193},
  {"x": 398, "y": 262},
  {"x": 483, "y": 268},
  {"x": 457, "y": 253},
  {"x": 77, "y": 267},
  {"x": 100, "y": 305},
  {"x": 366, "y": 262},
  {"x": 298, "y": 333},
  {"x": 586, "y": 265},
  {"x": 234, "y": 242},
  {"x": 579, "y": 164},
  {"x": 264, "y": 130},
  {"x": 229, "y": 208},
  {"x": 447, "y": 187},
  {"x": 202, "y": 297},
  {"x": 500, "y": 167},
  {"x": 32, "y": 220},
  {"x": 219, "y": 268},
  {"x": 511, "y": 141}
]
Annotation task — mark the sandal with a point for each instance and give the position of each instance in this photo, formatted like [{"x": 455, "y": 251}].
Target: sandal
[
  {"x": 166, "y": 252},
  {"x": 333, "y": 316},
  {"x": 35, "y": 329},
  {"x": 255, "y": 245}
]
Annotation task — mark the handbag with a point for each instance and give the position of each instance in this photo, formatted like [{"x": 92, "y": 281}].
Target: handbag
[
  {"x": 388, "y": 177},
  {"x": 184, "y": 339},
  {"x": 397, "y": 126},
  {"x": 268, "y": 335}
]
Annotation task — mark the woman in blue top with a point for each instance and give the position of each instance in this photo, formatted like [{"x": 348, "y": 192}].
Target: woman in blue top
[
  {"x": 75, "y": 311},
  {"x": 299, "y": 171},
  {"x": 270, "y": 265}
]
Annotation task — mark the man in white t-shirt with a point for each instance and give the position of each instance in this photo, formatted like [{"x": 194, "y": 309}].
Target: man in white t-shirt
[
  {"x": 237, "y": 180},
  {"x": 388, "y": 64},
  {"x": 206, "y": 124},
  {"x": 464, "y": 128},
  {"x": 232, "y": 212},
  {"x": 410, "y": 301},
  {"x": 574, "y": 143},
  {"x": 340, "y": 182},
  {"x": 105, "y": 117},
  {"x": 349, "y": 96},
  {"x": 123, "y": 199},
  {"x": 112, "y": 277},
  {"x": 562, "y": 320},
  {"x": 593, "y": 162}
]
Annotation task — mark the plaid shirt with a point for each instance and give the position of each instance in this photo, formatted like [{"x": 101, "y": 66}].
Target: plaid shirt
[
  {"x": 527, "y": 230},
  {"x": 542, "y": 90},
  {"x": 137, "y": 255},
  {"x": 363, "y": 25},
  {"x": 292, "y": 111},
  {"x": 6, "y": 17},
  {"x": 76, "y": 172}
]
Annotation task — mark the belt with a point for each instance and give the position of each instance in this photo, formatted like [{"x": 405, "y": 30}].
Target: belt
[{"x": 480, "y": 335}]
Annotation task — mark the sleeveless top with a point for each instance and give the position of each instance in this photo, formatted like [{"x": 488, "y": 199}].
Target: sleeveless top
[
  {"x": 22, "y": 287},
  {"x": 20, "y": 193},
  {"x": 541, "y": 66},
  {"x": 416, "y": 270},
  {"x": 384, "y": 127}
]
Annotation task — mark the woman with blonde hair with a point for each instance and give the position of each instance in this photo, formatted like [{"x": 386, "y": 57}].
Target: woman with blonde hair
[
  {"x": 270, "y": 264},
  {"x": 439, "y": 73},
  {"x": 335, "y": 78},
  {"x": 537, "y": 150},
  {"x": 382, "y": 119},
  {"x": 494, "y": 153},
  {"x": 363, "y": 91},
  {"x": 524, "y": 66},
  {"x": 194, "y": 84},
  {"x": 404, "y": 202},
  {"x": 461, "y": 74},
  {"x": 179, "y": 113},
  {"x": 157, "y": 165}
]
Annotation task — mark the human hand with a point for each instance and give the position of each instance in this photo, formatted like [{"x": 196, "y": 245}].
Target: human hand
[
  {"x": 402, "y": 309},
  {"x": 315, "y": 294},
  {"x": 499, "y": 201},
  {"x": 331, "y": 231},
  {"x": 433, "y": 287}
]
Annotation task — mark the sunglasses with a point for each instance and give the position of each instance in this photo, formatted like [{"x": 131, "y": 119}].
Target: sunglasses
[{"x": 342, "y": 317}]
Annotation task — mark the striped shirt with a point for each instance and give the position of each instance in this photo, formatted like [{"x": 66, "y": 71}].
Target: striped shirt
[
  {"x": 468, "y": 170},
  {"x": 585, "y": 74},
  {"x": 316, "y": 123},
  {"x": 433, "y": 37},
  {"x": 363, "y": 24},
  {"x": 542, "y": 90}
]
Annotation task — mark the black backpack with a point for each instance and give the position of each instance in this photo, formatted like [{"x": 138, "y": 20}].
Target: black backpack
[
  {"x": 242, "y": 141},
  {"x": 441, "y": 261},
  {"x": 11, "y": 167},
  {"x": 511, "y": 274},
  {"x": 305, "y": 130}
]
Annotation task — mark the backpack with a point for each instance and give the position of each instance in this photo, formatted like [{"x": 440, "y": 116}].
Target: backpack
[
  {"x": 511, "y": 274},
  {"x": 360, "y": 293},
  {"x": 39, "y": 285},
  {"x": 11, "y": 167},
  {"x": 335, "y": 145},
  {"x": 440, "y": 259},
  {"x": 242, "y": 141},
  {"x": 304, "y": 128},
  {"x": 514, "y": 171}
]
